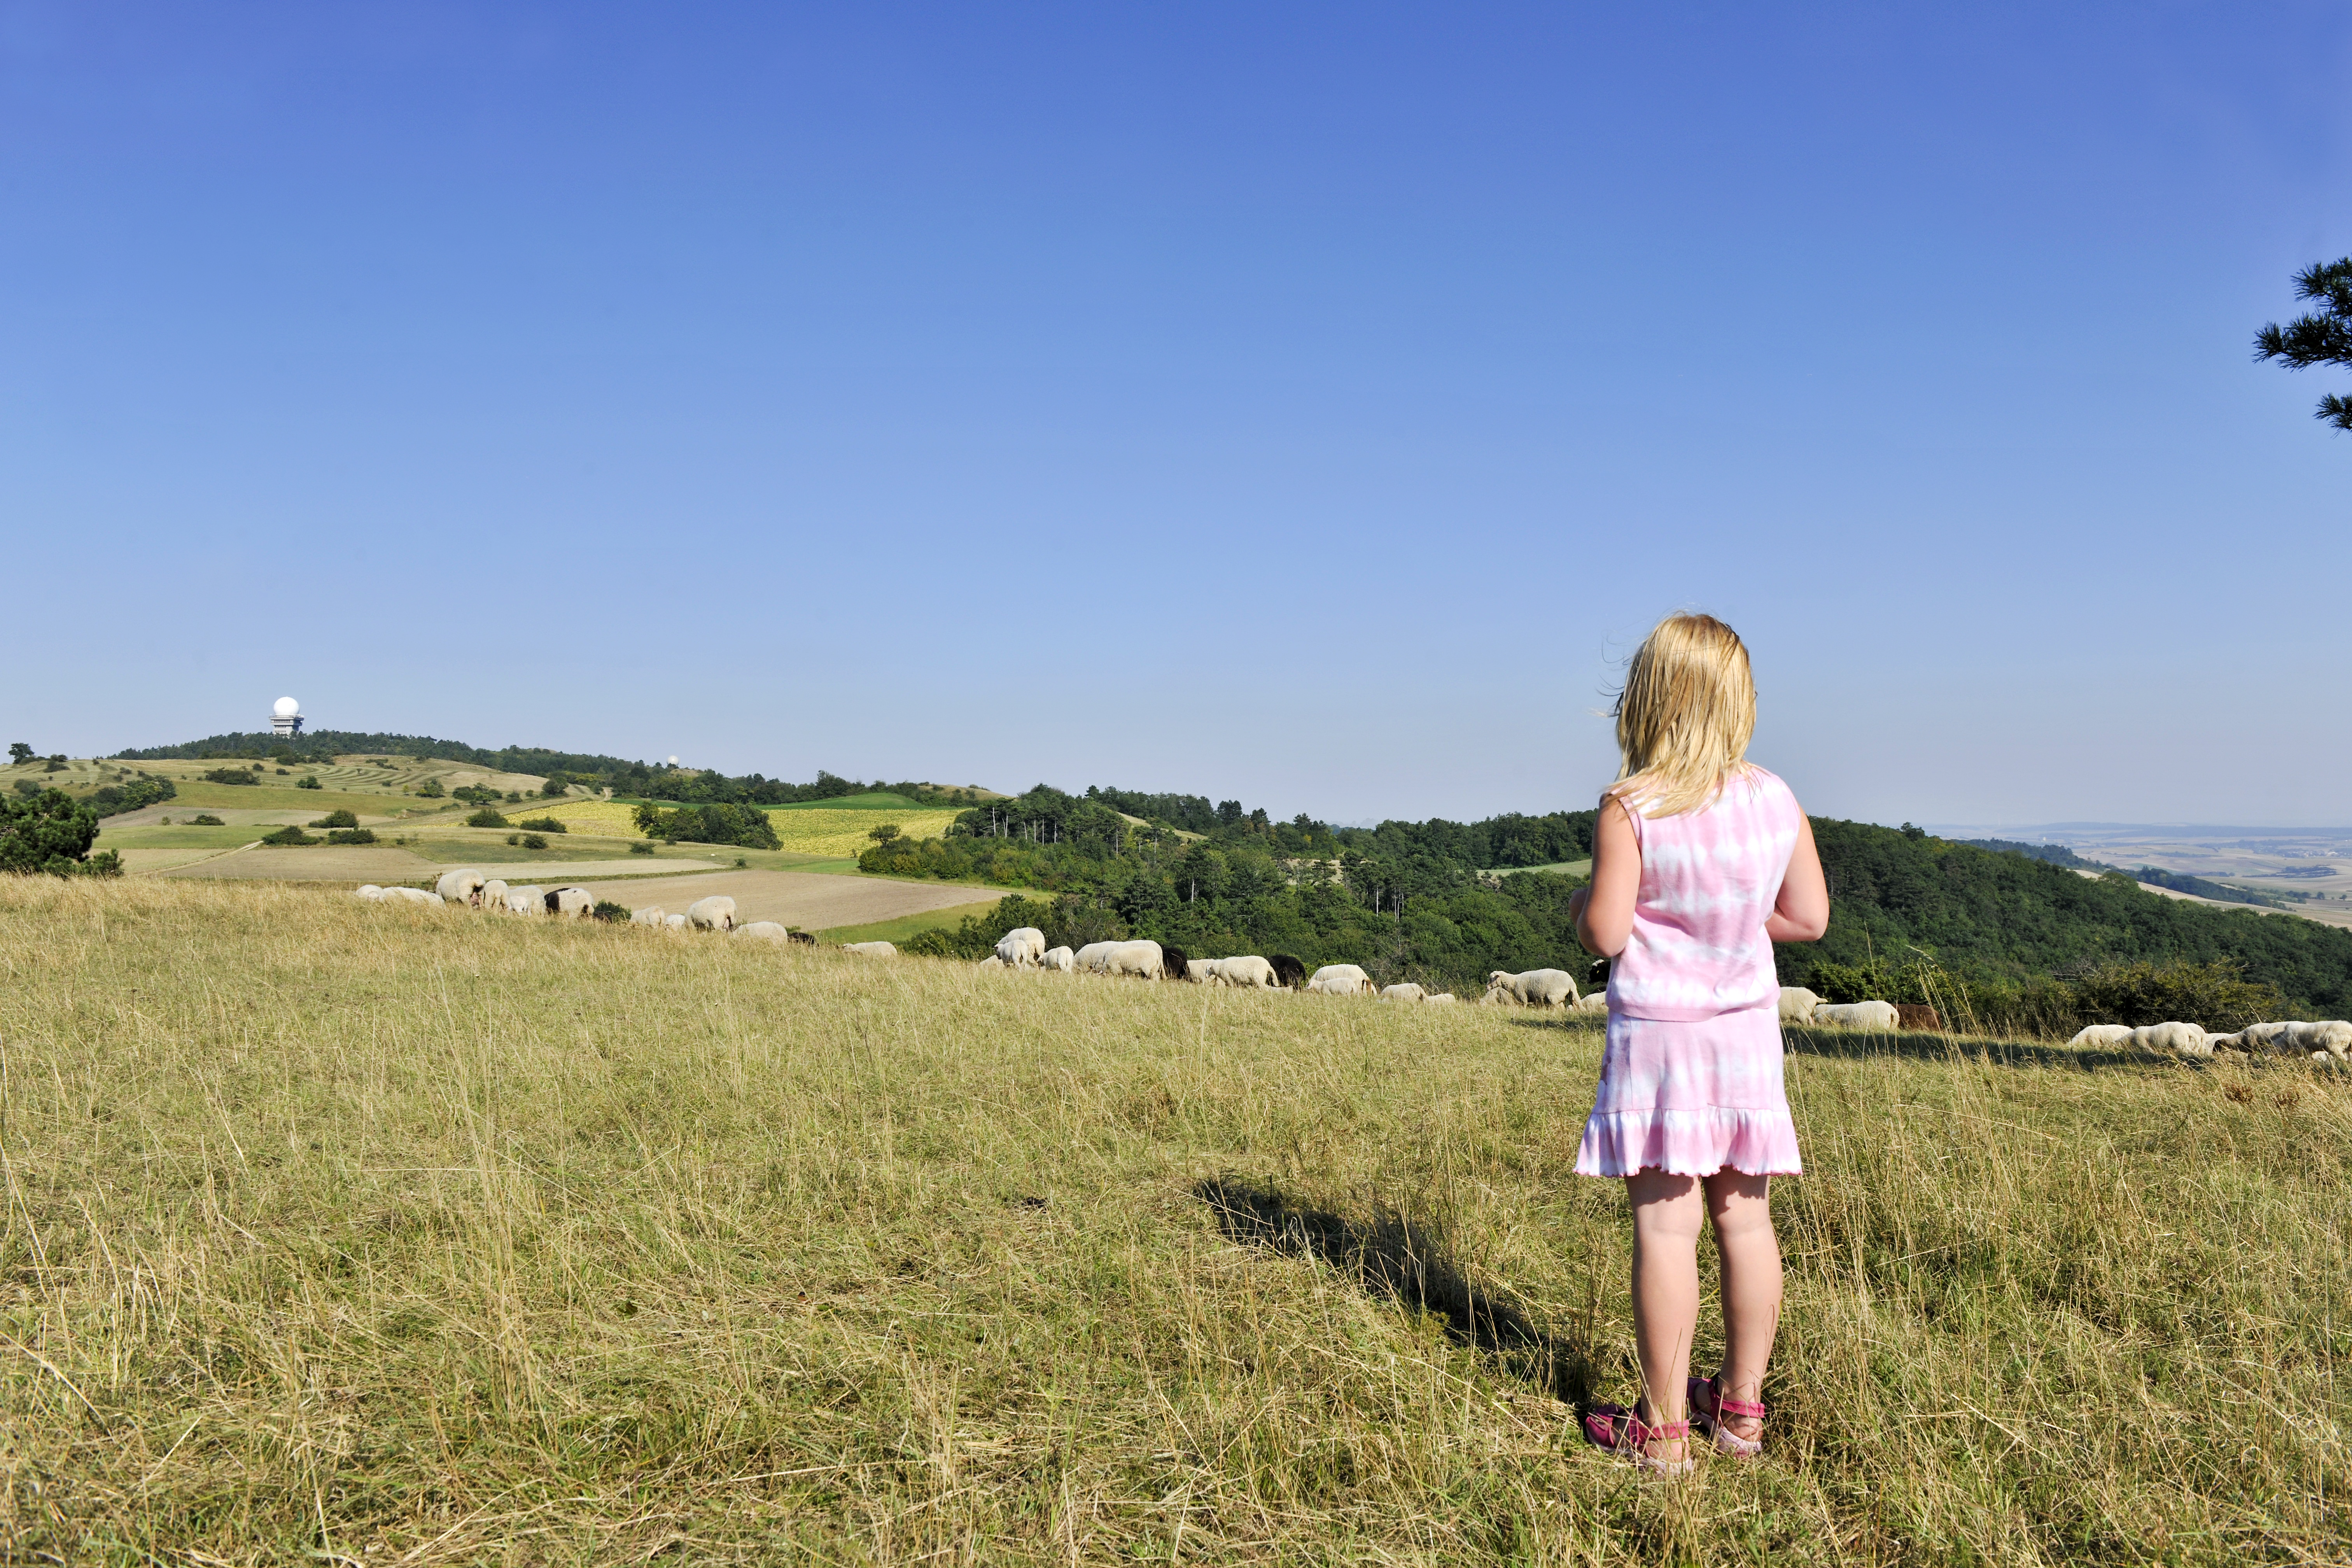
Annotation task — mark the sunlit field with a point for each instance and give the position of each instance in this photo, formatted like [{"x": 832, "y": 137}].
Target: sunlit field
[{"x": 347, "y": 1233}]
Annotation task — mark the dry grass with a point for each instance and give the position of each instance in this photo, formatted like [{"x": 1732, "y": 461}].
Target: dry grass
[
  {"x": 816, "y": 831},
  {"x": 341, "y": 1233}
]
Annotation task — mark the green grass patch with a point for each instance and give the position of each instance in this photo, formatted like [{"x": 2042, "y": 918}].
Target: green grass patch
[{"x": 905, "y": 926}]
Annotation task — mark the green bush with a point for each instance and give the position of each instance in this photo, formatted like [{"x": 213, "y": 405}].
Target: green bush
[
  {"x": 476, "y": 795},
  {"x": 485, "y": 818},
  {"x": 206, "y": 819},
  {"x": 230, "y": 776},
  {"x": 641, "y": 847},
  {"x": 431, "y": 789},
  {"x": 533, "y": 841},
  {"x": 52, "y": 833},
  {"x": 288, "y": 838},
  {"x": 337, "y": 819},
  {"x": 935, "y": 944},
  {"x": 137, "y": 794},
  {"x": 607, "y": 910},
  {"x": 2218, "y": 995},
  {"x": 27, "y": 787},
  {"x": 352, "y": 835},
  {"x": 543, "y": 824},
  {"x": 309, "y": 781},
  {"x": 746, "y": 826}
]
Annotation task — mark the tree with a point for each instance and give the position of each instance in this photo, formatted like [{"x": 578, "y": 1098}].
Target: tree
[
  {"x": 885, "y": 834},
  {"x": 2323, "y": 337},
  {"x": 20, "y": 754},
  {"x": 431, "y": 789},
  {"x": 52, "y": 833}
]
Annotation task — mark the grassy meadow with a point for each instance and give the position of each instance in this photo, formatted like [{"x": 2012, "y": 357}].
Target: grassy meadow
[{"x": 357, "y": 1234}]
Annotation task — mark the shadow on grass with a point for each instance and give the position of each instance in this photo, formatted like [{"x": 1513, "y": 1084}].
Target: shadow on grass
[{"x": 1401, "y": 1261}]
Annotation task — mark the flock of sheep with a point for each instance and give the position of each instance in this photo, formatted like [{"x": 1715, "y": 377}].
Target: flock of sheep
[{"x": 1025, "y": 949}]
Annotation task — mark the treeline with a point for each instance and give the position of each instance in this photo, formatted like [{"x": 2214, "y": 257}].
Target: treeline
[
  {"x": 2017, "y": 939},
  {"x": 1406, "y": 900},
  {"x": 650, "y": 780}
]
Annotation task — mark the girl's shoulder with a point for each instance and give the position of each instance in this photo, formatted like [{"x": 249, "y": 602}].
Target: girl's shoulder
[{"x": 1764, "y": 787}]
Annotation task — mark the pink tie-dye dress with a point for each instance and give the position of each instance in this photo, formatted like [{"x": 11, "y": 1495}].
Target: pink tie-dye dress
[{"x": 1690, "y": 1078}]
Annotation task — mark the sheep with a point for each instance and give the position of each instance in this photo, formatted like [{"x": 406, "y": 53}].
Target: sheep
[
  {"x": 1404, "y": 991},
  {"x": 2263, "y": 1037},
  {"x": 526, "y": 901},
  {"x": 2103, "y": 1035},
  {"x": 2186, "y": 1039},
  {"x": 461, "y": 887},
  {"x": 578, "y": 903},
  {"x": 1175, "y": 964},
  {"x": 1245, "y": 971},
  {"x": 1797, "y": 1004},
  {"x": 1143, "y": 960},
  {"x": 1340, "y": 980},
  {"x": 1022, "y": 947},
  {"x": 763, "y": 930},
  {"x": 1857, "y": 1015},
  {"x": 716, "y": 912},
  {"x": 992, "y": 961},
  {"x": 1202, "y": 970},
  {"x": 1596, "y": 1003},
  {"x": 494, "y": 896},
  {"x": 2334, "y": 1037},
  {"x": 1060, "y": 960},
  {"x": 1288, "y": 973},
  {"x": 646, "y": 917},
  {"x": 1441, "y": 996},
  {"x": 870, "y": 949},
  {"x": 1088, "y": 958},
  {"x": 673, "y": 922},
  {"x": 412, "y": 895},
  {"x": 1534, "y": 988},
  {"x": 369, "y": 892},
  {"x": 804, "y": 937}
]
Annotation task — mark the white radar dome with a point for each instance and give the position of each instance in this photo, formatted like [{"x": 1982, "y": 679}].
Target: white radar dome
[
  {"x": 673, "y": 762},
  {"x": 286, "y": 708}
]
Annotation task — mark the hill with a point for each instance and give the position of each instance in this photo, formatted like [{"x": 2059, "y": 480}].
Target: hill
[{"x": 786, "y": 1255}]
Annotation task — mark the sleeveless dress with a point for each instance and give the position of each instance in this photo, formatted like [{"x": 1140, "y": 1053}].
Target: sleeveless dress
[{"x": 1690, "y": 1077}]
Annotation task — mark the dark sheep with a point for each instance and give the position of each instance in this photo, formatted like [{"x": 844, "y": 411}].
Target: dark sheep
[
  {"x": 1172, "y": 962},
  {"x": 549, "y": 898},
  {"x": 1915, "y": 1016},
  {"x": 807, "y": 936},
  {"x": 1288, "y": 971}
]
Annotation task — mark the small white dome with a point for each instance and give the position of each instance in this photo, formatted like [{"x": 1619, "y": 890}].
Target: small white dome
[
  {"x": 285, "y": 708},
  {"x": 673, "y": 762}
]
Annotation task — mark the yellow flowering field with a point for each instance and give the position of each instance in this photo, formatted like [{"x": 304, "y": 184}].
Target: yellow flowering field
[
  {"x": 817, "y": 831},
  {"x": 608, "y": 819}
]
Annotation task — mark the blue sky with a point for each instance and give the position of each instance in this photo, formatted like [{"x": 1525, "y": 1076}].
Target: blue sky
[{"x": 1307, "y": 405}]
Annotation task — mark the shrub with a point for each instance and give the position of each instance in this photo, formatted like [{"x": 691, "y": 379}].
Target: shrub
[
  {"x": 337, "y": 819},
  {"x": 554, "y": 786},
  {"x": 476, "y": 795},
  {"x": 309, "y": 781},
  {"x": 352, "y": 835},
  {"x": 56, "y": 764},
  {"x": 230, "y": 776},
  {"x": 544, "y": 825},
  {"x": 933, "y": 943},
  {"x": 744, "y": 826},
  {"x": 288, "y": 838},
  {"x": 206, "y": 819},
  {"x": 431, "y": 789},
  {"x": 2217, "y": 996},
  {"x": 533, "y": 841},
  {"x": 515, "y": 796},
  {"x": 52, "y": 833},
  {"x": 485, "y": 818},
  {"x": 116, "y": 799},
  {"x": 27, "y": 787},
  {"x": 607, "y": 910},
  {"x": 641, "y": 847},
  {"x": 20, "y": 754}
]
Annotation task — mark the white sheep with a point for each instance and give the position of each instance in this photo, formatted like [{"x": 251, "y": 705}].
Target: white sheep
[
  {"x": 870, "y": 949},
  {"x": 1880, "y": 1016},
  {"x": 2103, "y": 1035},
  {"x": 716, "y": 912}
]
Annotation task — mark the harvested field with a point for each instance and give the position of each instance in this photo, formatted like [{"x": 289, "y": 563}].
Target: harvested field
[
  {"x": 814, "y": 830},
  {"x": 320, "y": 863},
  {"x": 543, "y": 869},
  {"x": 811, "y": 901},
  {"x": 343, "y": 1233}
]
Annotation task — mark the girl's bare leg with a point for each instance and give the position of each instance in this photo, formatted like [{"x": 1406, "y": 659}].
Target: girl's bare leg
[
  {"x": 1667, "y": 1211},
  {"x": 1740, "y": 1208}
]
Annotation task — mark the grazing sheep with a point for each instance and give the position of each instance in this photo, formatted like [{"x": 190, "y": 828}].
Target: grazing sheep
[
  {"x": 494, "y": 896},
  {"x": 673, "y": 922},
  {"x": 1288, "y": 973},
  {"x": 2103, "y": 1035},
  {"x": 412, "y": 895},
  {"x": 1143, "y": 960},
  {"x": 1917, "y": 1015},
  {"x": 646, "y": 917},
  {"x": 2188, "y": 1040},
  {"x": 1245, "y": 971},
  {"x": 1797, "y": 1004},
  {"x": 992, "y": 961},
  {"x": 764, "y": 931},
  {"x": 2263, "y": 1037},
  {"x": 526, "y": 901},
  {"x": 870, "y": 949},
  {"x": 1022, "y": 947},
  {"x": 370, "y": 892},
  {"x": 1060, "y": 959},
  {"x": 1878, "y": 1016},
  {"x": 578, "y": 903},
  {"x": 1175, "y": 964},
  {"x": 1340, "y": 980},
  {"x": 804, "y": 937},
  {"x": 1405, "y": 990},
  {"x": 716, "y": 912},
  {"x": 1441, "y": 996},
  {"x": 1596, "y": 1003},
  {"x": 1201, "y": 971},
  {"x": 1089, "y": 957},
  {"x": 461, "y": 887},
  {"x": 2334, "y": 1037},
  {"x": 1535, "y": 987}
]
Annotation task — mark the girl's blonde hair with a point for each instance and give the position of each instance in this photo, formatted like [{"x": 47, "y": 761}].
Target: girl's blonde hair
[{"x": 1685, "y": 716}]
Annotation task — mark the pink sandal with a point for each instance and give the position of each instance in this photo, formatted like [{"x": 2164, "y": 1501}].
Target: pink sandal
[
  {"x": 1709, "y": 1408},
  {"x": 1623, "y": 1433}
]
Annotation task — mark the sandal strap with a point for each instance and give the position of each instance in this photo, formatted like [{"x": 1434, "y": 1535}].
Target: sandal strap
[{"x": 1749, "y": 1407}]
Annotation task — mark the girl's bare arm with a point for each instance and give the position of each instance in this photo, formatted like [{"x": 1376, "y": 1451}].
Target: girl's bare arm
[
  {"x": 1604, "y": 911},
  {"x": 1801, "y": 913}
]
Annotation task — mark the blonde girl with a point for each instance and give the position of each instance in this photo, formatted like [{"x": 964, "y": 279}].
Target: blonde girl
[{"x": 1701, "y": 861}]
